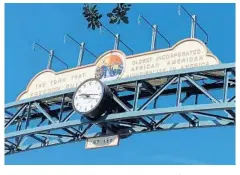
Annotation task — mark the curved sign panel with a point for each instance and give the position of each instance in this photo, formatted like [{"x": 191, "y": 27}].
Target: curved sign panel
[{"x": 115, "y": 64}]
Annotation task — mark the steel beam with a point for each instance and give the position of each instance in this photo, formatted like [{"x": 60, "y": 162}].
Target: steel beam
[
  {"x": 138, "y": 86},
  {"x": 15, "y": 116},
  {"x": 212, "y": 68},
  {"x": 61, "y": 109},
  {"x": 126, "y": 115},
  {"x": 193, "y": 90},
  {"x": 212, "y": 116},
  {"x": 116, "y": 99},
  {"x": 44, "y": 112},
  {"x": 69, "y": 116},
  {"x": 135, "y": 130},
  {"x": 127, "y": 122},
  {"x": 179, "y": 88},
  {"x": 186, "y": 117},
  {"x": 163, "y": 119},
  {"x": 204, "y": 91},
  {"x": 225, "y": 88},
  {"x": 157, "y": 93}
]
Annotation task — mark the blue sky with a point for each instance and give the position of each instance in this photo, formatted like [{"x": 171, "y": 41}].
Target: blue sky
[{"x": 48, "y": 23}]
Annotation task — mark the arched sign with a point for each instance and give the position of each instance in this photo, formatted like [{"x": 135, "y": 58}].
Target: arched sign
[{"x": 115, "y": 64}]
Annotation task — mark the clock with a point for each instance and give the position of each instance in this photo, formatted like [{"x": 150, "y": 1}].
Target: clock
[{"x": 92, "y": 98}]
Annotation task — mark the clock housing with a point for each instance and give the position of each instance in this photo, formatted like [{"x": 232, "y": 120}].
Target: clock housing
[{"x": 92, "y": 98}]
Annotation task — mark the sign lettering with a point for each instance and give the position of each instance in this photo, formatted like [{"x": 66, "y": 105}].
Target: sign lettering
[{"x": 115, "y": 64}]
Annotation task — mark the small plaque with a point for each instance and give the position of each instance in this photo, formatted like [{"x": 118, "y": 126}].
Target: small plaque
[{"x": 100, "y": 142}]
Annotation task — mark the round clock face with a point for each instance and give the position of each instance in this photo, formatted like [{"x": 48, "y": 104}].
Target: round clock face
[{"x": 88, "y": 96}]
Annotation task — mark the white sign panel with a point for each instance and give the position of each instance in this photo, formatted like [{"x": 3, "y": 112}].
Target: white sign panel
[
  {"x": 115, "y": 64},
  {"x": 100, "y": 142}
]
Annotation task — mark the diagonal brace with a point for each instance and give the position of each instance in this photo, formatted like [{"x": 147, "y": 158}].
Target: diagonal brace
[
  {"x": 44, "y": 112},
  {"x": 116, "y": 99},
  {"x": 85, "y": 130},
  {"x": 204, "y": 91},
  {"x": 186, "y": 117},
  {"x": 148, "y": 87},
  {"x": 69, "y": 116},
  {"x": 207, "y": 94},
  {"x": 15, "y": 116},
  {"x": 163, "y": 119},
  {"x": 148, "y": 125},
  {"x": 157, "y": 93},
  {"x": 212, "y": 116}
]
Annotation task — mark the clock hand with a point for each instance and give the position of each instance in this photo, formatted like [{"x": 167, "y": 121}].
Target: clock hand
[
  {"x": 87, "y": 94},
  {"x": 92, "y": 98}
]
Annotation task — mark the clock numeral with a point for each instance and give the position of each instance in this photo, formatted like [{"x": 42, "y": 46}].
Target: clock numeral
[{"x": 86, "y": 99}]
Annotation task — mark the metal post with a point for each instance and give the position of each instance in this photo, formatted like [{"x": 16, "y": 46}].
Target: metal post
[
  {"x": 116, "y": 43},
  {"x": 225, "y": 87},
  {"x": 138, "y": 86},
  {"x": 196, "y": 99},
  {"x": 154, "y": 38},
  {"x": 28, "y": 115},
  {"x": 62, "y": 106},
  {"x": 81, "y": 52},
  {"x": 193, "y": 28},
  {"x": 51, "y": 54},
  {"x": 179, "y": 88}
]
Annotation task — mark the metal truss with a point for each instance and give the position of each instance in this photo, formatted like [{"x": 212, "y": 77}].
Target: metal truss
[{"x": 181, "y": 99}]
